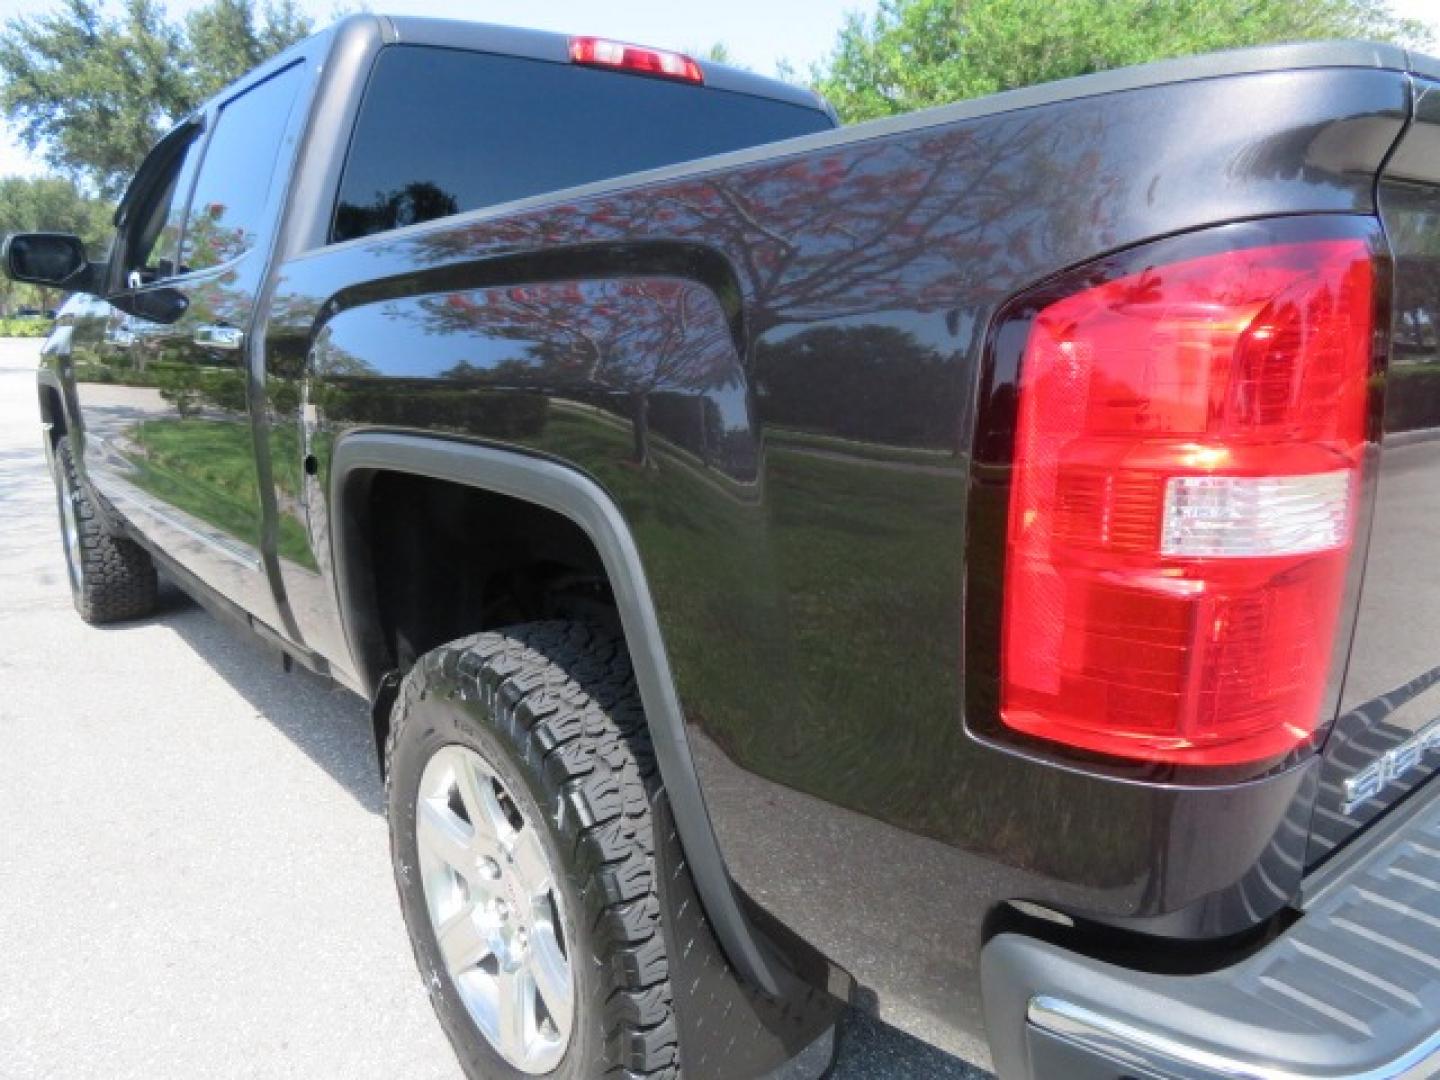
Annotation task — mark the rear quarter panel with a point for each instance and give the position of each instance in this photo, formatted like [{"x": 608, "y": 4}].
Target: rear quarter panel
[{"x": 770, "y": 367}]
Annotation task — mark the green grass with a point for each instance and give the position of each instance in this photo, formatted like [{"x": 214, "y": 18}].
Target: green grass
[{"x": 207, "y": 469}]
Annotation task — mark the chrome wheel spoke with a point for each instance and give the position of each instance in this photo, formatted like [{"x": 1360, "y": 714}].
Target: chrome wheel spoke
[
  {"x": 515, "y": 1002},
  {"x": 461, "y": 943},
  {"x": 441, "y": 834},
  {"x": 531, "y": 865},
  {"x": 482, "y": 805},
  {"x": 551, "y": 972},
  {"x": 70, "y": 533}
]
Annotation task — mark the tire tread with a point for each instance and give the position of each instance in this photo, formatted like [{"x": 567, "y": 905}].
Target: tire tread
[
  {"x": 119, "y": 579},
  {"x": 563, "y": 695}
]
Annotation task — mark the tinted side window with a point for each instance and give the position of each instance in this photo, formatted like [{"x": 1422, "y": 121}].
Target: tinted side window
[
  {"x": 443, "y": 131},
  {"x": 228, "y": 207}
]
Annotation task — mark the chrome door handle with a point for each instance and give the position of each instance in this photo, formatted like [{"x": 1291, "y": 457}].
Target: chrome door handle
[{"x": 219, "y": 337}]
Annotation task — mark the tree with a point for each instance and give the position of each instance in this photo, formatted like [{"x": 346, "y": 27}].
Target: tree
[
  {"x": 31, "y": 204},
  {"x": 419, "y": 200},
  {"x": 881, "y": 385},
  {"x": 50, "y": 204},
  {"x": 93, "y": 93},
  {"x": 719, "y": 53},
  {"x": 628, "y": 340},
  {"x": 917, "y": 53},
  {"x": 227, "y": 40}
]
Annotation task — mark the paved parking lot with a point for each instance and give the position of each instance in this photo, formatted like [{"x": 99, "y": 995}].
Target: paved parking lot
[{"x": 193, "y": 869}]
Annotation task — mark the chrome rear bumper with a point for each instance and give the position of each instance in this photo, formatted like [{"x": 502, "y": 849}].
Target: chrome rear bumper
[{"x": 1351, "y": 990}]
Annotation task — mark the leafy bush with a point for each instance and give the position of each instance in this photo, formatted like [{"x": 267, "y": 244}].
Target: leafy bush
[
  {"x": 25, "y": 327},
  {"x": 1412, "y": 399},
  {"x": 93, "y": 373}
]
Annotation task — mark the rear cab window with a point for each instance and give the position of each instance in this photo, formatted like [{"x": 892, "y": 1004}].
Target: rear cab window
[{"x": 443, "y": 131}]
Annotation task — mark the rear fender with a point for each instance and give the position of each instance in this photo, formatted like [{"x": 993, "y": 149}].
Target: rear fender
[{"x": 358, "y": 457}]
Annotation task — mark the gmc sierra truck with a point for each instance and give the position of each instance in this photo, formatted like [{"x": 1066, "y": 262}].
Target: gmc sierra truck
[{"x": 981, "y": 566}]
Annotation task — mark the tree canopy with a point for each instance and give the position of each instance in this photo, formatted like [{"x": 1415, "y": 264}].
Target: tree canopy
[
  {"x": 92, "y": 93},
  {"x": 52, "y": 203},
  {"x": 916, "y": 53},
  {"x": 49, "y": 203}
]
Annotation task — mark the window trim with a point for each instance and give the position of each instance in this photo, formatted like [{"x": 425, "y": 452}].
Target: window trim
[{"x": 156, "y": 170}]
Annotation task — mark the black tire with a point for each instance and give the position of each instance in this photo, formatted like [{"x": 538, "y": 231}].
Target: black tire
[
  {"x": 111, "y": 577},
  {"x": 552, "y": 708}
]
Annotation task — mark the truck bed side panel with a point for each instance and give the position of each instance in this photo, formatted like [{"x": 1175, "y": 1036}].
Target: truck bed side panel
[{"x": 801, "y": 513}]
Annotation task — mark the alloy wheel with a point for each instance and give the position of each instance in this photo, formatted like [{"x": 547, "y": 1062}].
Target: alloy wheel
[
  {"x": 495, "y": 908},
  {"x": 70, "y": 531}
]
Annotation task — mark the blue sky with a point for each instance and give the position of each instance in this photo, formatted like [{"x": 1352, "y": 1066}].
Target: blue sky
[{"x": 760, "y": 33}]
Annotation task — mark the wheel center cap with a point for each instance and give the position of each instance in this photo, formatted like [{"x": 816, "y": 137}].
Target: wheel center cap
[{"x": 511, "y": 941}]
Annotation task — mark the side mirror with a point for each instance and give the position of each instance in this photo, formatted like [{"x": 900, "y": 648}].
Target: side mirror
[{"x": 50, "y": 260}]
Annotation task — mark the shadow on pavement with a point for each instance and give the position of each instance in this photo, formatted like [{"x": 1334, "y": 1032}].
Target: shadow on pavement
[
  {"x": 870, "y": 1049},
  {"x": 329, "y": 724}
]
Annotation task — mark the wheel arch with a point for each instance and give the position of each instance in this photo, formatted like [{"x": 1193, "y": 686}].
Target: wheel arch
[{"x": 359, "y": 457}]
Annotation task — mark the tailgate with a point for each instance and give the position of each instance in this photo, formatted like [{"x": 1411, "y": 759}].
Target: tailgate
[{"x": 1387, "y": 739}]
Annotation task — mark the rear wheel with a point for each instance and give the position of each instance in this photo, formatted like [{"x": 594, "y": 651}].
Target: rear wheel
[
  {"x": 111, "y": 577},
  {"x": 519, "y": 790}
]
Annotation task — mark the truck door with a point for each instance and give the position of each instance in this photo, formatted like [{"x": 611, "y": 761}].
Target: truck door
[
  {"x": 115, "y": 390},
  {"x": 184, "y": 321}
]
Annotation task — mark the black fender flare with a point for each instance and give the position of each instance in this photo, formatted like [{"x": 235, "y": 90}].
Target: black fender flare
[
  {"x": 358, "y": 456},
  {"x": 67, "y": 421},
  {"x": 47, "y": 380}
]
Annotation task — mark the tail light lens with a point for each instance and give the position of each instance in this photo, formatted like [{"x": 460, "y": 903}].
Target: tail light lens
[
  {"x": 600, "y": 52},
  {"x": 1186, "y": 465}
]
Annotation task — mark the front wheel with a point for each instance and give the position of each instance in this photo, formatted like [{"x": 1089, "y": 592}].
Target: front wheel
[
  {"x": 524, "y": 851},
  {"x": 111, "y": 577}
]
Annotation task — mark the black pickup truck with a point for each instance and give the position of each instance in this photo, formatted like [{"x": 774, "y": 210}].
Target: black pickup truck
[{"x": 981, "y": 566}]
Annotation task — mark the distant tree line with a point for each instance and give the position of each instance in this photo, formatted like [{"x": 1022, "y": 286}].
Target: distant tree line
[{"x": 91, "y": 92}]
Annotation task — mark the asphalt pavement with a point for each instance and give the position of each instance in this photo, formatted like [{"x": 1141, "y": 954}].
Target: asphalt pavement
[{"x": 194, "y": 878}]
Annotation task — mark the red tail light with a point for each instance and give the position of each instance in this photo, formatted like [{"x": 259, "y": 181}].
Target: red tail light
[
  {"x": 600, "y": 52},
  {"x": 1186, "y": 473}
]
